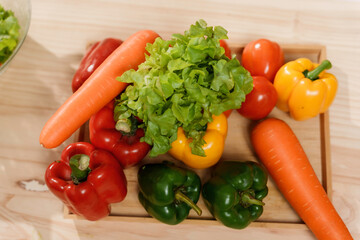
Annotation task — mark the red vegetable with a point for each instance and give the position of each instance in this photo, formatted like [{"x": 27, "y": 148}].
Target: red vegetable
[
  {"x": 87, "y": 180},
  {"x": 227, "y": 49},
  {"x": 97, "y": 91},
  {"x": 260, "y": 101},
  {"x": 126, "y": 147},
  {"x": 227, "y": 113},
  {"x": 92, "y": 60},
  {"x": 283, "y": 156},
  {"x": 262, "y": 57}
]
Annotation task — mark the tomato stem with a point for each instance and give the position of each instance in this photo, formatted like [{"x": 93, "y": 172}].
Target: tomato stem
[
  {"x": 123, "y": 125},
  {"x": 127, "y": 126}
]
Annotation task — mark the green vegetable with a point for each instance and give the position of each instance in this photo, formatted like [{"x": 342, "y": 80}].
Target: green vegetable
[
  {"x": 182, "y": 83},
  {"x": 235, "y": 191},
  {"x": 168, "y": 192},
  {"x": 9, "y": 33}
]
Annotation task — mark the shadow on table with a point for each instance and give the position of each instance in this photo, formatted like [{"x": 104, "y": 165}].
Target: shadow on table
[{"x": 34, "y": 85}]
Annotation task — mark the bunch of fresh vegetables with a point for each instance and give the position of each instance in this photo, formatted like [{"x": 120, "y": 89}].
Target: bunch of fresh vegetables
[
  {"x": 150, "y": 94},
  {"x": 184, "y": 83},
  {"x": 88, "y": 179},
  {"x": 233, "y": 194},
  {"x": 9, "y": 33},
  {"x": 124, "y": 144},
  {"x": 300, "y": 87},
  {"x": 304, "y": 89},
  {"x": 262, "y": 58},
  {"x": 97, "y": 91}
]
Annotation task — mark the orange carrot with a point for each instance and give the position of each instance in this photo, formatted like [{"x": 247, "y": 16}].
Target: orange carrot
[
  {"x": 282, "y": 154},
  {"x": 98, "y": 90}
]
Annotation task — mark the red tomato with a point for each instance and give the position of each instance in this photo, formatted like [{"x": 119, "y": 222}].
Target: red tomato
[
  {"x": 260, "y": 101},
  {"x": 226, "y": 47},
  {"x": 227, "y": 113},
  {"x": 262, "y": 57}
]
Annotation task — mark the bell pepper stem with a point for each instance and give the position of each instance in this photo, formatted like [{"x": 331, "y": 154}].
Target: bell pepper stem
[
  {"x": 79, "y": 164},
  {"x": 313, "y": 74},
  {"x": 123, "y": 125},
  {"x": 127, "y": 126},
  {"x": 180, "y": 196},
  {"x": 247, "y": 199}
]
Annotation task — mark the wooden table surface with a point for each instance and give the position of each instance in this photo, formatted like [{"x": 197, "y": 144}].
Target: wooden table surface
[{"x": 38, "y": 81}]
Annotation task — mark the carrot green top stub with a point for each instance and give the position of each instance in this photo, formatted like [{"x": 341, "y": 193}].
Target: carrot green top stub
[
  {"x": 183, "y": 83},
  {"x": 9, "y": 33}
]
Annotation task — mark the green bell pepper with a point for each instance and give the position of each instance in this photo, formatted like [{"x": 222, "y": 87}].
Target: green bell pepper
[
  {"x": 168, "y": 192},
  {"x": 235, "y": 191}
]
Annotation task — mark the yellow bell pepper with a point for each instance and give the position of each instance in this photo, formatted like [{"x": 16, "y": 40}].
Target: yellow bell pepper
[
  {"x": 214, "y": 137},
  {"x": 304, "y": 88}
]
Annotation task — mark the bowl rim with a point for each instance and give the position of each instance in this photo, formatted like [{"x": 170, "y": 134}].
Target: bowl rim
[{"x": 21, "y": 41}]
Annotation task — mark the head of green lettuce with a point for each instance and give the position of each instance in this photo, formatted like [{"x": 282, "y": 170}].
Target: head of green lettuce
[{"x": 182, "y": 83}]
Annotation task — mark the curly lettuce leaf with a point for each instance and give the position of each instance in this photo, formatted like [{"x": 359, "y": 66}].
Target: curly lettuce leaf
[
  {"x": 182, "y": 83},
  {"x": 9, "y": 33}
]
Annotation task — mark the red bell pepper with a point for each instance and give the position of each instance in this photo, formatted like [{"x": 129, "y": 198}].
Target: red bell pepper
[
  {"x": 92, "y": 60},
  {"x": 124, "y": 144},
  {"x": 87, "y": 180}
]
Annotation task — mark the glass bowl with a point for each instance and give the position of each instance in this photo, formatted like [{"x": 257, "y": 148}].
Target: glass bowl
[{"x": 22, "y": 11}]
